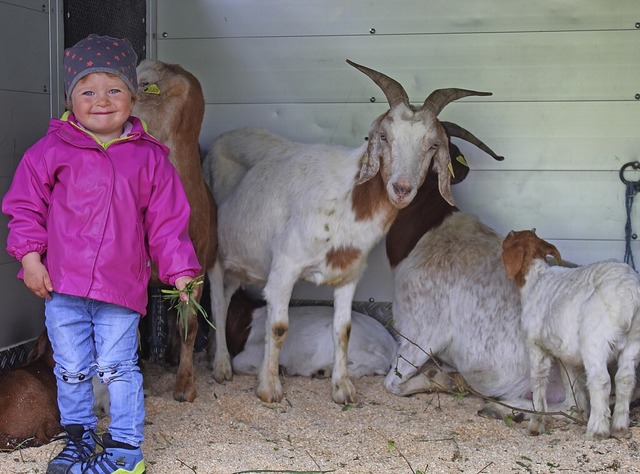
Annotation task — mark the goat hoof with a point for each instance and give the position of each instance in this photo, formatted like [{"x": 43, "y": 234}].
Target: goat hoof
[
  {"x": 185, "y": 392},
  {"x": 491, "y": 412},
  {"x": 270, "y": 394},
  {"x": 344, "y": 393},
  {"x": 222, "y": 370},
  {"x": 188, "y": 396},
  {"x": 621, "y": 433},
  {"x": 597, "y": 436}
]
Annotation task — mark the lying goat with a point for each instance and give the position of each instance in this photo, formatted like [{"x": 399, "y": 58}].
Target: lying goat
[
  {"x": 308, "y": 350},
  {"x": 170, "y": 101},
  {"x": 29, "y": 414},
  {"x": 585, "y": 317},
  {"x": 289, "y": 212},
  {"x": 453, "y": 300}
]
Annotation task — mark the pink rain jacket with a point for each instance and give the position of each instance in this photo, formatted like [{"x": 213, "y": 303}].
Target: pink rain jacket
[{"x": 99, "y": 215}]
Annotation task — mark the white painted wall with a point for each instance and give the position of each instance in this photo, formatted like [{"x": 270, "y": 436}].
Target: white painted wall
[{"x": 564, "y": 73}]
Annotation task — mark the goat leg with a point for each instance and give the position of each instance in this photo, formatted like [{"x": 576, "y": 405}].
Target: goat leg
[{"x": 185, "y": 388}]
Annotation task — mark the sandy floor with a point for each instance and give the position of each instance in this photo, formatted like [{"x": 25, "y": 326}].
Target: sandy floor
[{"x": 229, "y": 430}]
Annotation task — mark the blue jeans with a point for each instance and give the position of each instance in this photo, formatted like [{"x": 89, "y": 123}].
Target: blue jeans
[{"x": 91, "y": 337}]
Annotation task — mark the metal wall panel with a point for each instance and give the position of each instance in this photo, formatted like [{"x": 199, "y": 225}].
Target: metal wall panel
[
  {"x": 531, "y": 135},
  {"x": 565, "y": 108},
  {"x": 25, "y": 101},
  {"x": 239, "y": 18},
  {"x": 26, "y": 31},
  {"x": 590, "y": 65}
]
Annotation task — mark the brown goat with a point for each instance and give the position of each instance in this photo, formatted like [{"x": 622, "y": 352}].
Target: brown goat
[
  {"x": 171, "y": 103},
  {"x": 29, "y": 414}
]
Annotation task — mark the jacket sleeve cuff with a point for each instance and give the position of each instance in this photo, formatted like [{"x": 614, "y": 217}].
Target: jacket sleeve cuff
[
  {"x": 189, "y": 273},
  {"x": 21, "y": 252}
]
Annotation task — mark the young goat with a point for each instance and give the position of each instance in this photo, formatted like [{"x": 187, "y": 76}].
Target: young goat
[
  {"x": 170, "y": 101},
  {"x": 586, "y": 317},
  {"x": 313, "y": 212},
  {"x": 308, "y": 349}
]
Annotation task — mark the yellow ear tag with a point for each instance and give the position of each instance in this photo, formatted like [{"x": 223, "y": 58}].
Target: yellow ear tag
[
  {"x": 451, "y": 170},
  {"x": 460, "y": 159},
  {"x": 151, "y": 89}
]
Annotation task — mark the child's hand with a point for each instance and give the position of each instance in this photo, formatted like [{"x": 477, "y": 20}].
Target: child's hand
[
  {"x": 181, "y": 282},
  {"x": 36, "y": 275}
]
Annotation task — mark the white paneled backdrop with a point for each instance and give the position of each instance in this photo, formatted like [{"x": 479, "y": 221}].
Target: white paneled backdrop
[
  {"x": 565, "y": 77},
  {"x": 565, "y": 110}
]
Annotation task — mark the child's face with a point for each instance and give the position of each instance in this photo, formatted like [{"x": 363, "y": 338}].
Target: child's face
[{"x": 102, "y": 103}]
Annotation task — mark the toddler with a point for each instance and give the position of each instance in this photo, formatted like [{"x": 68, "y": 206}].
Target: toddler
[{"x": 91, "y": 206}]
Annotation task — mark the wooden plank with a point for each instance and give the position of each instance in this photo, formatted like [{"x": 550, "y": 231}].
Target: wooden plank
[
  {"x": 566, "y": 66},
  {"x": 531, "y": 135},
  {"x": 233, "y": 18}
]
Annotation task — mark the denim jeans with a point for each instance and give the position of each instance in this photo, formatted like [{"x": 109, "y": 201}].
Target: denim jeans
[{"x": 91, "y": 337}]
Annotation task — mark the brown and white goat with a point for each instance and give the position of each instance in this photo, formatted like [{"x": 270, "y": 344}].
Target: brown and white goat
[
  {"x": 171, "y": 102},
  {"x": 294, "y": 212},
  {"x": 453, "y": 300},
  {"x": 585, "y": 317},
  {"x": 29, "y": 414}
]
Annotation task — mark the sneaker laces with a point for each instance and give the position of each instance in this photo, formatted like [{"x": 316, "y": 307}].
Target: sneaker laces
[
  {"x": 98, "y": 459},
  {"x": 76, "y": 448}
]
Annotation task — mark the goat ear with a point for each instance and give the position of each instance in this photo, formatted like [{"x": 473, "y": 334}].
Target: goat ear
[
  {"x": 554, "y": 252},
  {"x": 370, "y": 162},
  {"x": 441, "y": 163},
  {"x": 513, "y": 259},
  {"x": 40, "y": 347}
]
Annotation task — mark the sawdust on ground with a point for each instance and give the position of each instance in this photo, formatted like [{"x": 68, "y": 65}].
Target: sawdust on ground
[{"x": 229, "y": 430}]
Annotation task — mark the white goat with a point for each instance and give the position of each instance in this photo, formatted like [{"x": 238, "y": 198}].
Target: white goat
[
  {"x": 585, "y": 317},
  {"x": 308, "y": 349},
  {"x": 453, "y": 300},
  {"x": 314, "y": 212}
]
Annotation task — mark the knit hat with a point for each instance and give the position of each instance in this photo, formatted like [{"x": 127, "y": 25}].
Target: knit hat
[{"x": 100, "y": 54}]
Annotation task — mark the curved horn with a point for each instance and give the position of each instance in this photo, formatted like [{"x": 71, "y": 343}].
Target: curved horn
[
  {"x": 392, "y": 89},
  {"x": 439, "y": 98},
  {"x": 455, "y": 130}
]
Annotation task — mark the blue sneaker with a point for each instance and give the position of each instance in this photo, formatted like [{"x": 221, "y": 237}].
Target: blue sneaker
[
  {"x": 115, "y": 458},
  {"x": 80, "y": 446}
]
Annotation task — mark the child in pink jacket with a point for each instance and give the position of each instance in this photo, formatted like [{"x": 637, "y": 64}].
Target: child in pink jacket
[{"x": 91, "y": 206}]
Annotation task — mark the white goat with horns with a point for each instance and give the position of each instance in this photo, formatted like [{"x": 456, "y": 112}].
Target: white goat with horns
[{"x": 290, "y": 211}]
